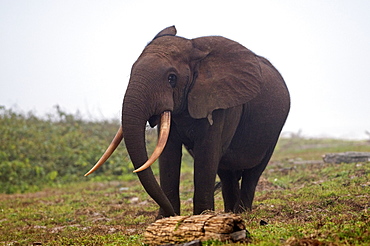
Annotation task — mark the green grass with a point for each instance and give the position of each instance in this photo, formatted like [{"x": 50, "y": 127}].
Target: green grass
[
  {"x": 302, "y": 199},
  {"x": 314, "y": 202}
]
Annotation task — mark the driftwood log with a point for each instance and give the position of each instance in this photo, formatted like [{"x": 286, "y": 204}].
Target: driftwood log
[
  {"x": 347, "y": 157},
  {"x": 196, "y": 228}
]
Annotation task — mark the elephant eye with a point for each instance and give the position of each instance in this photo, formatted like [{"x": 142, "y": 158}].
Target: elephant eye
[{"x": 172, "y": 79}]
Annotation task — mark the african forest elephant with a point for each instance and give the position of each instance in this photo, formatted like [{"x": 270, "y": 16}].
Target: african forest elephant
[{"x": 224, "y": 103}]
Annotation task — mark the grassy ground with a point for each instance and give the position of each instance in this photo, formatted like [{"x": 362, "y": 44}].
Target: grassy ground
[{"x": 300, "y": 199}]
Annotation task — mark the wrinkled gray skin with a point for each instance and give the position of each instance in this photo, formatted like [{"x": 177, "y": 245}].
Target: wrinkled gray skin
[{"x": 228, "y": 107}]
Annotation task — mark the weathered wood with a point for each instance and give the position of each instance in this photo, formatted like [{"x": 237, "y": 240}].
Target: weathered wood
[
  {"x": 181, "y": 229},
  {"x": 347, "y": 157}
]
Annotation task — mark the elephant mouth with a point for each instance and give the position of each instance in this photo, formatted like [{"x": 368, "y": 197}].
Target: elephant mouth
[
  {"x": 165, "y": 124},
  {"x": 154, "y": 120}
]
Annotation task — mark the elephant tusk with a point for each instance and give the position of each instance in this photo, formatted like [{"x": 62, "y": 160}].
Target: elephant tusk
[
  {"x": 111, "y": 148},
  {"x": 162, "y": 140}
]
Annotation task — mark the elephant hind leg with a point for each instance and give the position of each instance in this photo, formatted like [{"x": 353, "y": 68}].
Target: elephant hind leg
[
  {"x": 230, "y": 188},
  {"x": 248, "y": 188},
  {"x": 250, "y": 178}
]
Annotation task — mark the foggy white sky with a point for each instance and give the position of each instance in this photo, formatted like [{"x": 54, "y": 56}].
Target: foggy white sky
[{"x": 78, "y": 54}]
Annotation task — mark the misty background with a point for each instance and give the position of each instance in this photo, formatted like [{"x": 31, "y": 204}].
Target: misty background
[{"x": 78, "y": 54}]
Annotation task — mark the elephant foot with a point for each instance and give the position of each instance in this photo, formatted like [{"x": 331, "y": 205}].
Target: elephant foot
[
  {"x": 240, "y": 210},
  {"x": 159, "y": 216},
  {"x": 162, "y": 214}
]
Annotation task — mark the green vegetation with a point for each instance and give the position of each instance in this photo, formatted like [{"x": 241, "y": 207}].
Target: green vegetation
[
  {"x": 36, "y": 152},
  {"x": 48, "y": 202}
]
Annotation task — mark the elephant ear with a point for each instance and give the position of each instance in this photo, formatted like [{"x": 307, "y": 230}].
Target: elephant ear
[
  {"x": 169, "y": 31},
  {"x": 228, "y": 76}
]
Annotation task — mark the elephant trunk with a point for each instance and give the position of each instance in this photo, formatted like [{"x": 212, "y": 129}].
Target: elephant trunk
[{"x": 134, "y": 126}]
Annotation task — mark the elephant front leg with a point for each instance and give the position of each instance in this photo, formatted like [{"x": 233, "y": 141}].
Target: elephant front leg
[
  {"x": 210, "y": 143},
  {"x": 204, "y": 183},
  {"x": 169, "y": 170},
  {"x": 206, "y": 159}
]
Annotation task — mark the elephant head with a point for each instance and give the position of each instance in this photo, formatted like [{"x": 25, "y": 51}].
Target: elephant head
[{"x": 174, "y": 75}]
